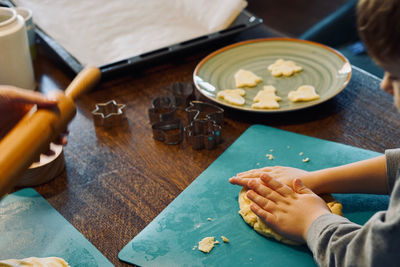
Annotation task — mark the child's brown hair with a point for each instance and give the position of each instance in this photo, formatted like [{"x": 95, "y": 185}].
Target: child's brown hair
[{"x": 379, "y": 28}]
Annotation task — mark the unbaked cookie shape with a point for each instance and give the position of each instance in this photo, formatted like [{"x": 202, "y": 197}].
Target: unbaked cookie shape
[
  {"x": 246, "y": 78},
  {"x": 34, "y": 261},
  {"x": 303, "y": 93},
  {"x": 283, "y": 67},
  {"x": 266, "y": 98},
  {"x": 233, "y": 96}
]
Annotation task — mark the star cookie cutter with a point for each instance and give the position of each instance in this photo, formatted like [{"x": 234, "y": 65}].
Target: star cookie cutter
[
  {"x": 205, "y": 111},
  {"x": 202, "y": 133},
  {"x": 108, "y": 114}
]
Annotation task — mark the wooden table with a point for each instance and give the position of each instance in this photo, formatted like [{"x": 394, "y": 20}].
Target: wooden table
[{"x": 117, "y": 181}]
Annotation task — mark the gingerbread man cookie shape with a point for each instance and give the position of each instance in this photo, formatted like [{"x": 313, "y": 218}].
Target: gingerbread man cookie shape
[
  {"x": 303, "y": 93},
  {"x": 284, "y": 68},
  {"x": 266, "y": 98},
  {"x": 246, "y": 78},
  {"x": 233, "y": 96}
]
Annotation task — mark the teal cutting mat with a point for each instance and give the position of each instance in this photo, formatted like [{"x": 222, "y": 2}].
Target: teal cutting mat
[
  {"x": 169, "y": 239},
  {"x": 31, "y": 227}
]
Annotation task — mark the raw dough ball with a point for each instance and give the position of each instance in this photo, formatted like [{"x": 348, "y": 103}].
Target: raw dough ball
[
  {"x": 266, "y": 98},
  {"x": 246, "y": 78},
  {"x": 233, "y": 96},
  {"x": 254, "y": 221},
  {"x": 284, "y": 68},
  {"x": 35, "y": 262},
  {"x": 303, "y": 93}
]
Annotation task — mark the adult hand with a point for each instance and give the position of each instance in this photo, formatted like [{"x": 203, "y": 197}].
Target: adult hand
[{"x": 16, "y": 102}]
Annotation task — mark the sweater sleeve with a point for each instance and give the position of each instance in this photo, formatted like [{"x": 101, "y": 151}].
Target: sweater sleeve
[
  {"x": 336, "y": 241},
  {"x": 392, "y": 167}
]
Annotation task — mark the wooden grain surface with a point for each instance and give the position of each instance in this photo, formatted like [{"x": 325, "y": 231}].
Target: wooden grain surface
[{"x": 117, "y": 181}]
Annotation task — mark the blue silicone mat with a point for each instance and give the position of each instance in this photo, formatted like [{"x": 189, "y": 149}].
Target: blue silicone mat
[
  {"x": 31, "y": 227},
  {"x": 170, "y": 238}
]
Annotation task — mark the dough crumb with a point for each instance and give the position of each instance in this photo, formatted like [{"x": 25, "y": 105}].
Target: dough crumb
[
  {"x": 306, "y": 160},
  {"x": 209, "y": 219},
  {"x": 194, "y": 248},
  {"x": 270, "y": 156},
  {"x": 258, "y": 163},
  {"x": 271, "y": 150},
  {"x": 233, "y": 96},
  {"x": 303, "y": 93},
  {"x": 207, "y": 244},
  {"x": 246, "y": 78},
  {"x": 284, "y": 68},
  {"x": 301, "y": 154},
  {"x": 226, "y": 240},
  {"x": 266, "y": 98}
]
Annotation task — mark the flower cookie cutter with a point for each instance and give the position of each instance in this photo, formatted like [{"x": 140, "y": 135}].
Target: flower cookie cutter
[
  {"x": 204, "y": 129},
  {"x": 170, "y": 132},
  {"x": 108, "y": 114}
]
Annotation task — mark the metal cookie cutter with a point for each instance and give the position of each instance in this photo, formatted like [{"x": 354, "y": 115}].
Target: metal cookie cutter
[
  {"x": 169, "y": 132},
  {"x": 182, "y": 93},
  {"x": 205, "y": 111},
  {"x": 203, "y": 134},
  {"x": 204, "y": 130},
  {"x": 162, "y": 109},
  {"x": 108, "y": 114},
  {"x": 166, "y": 128}
]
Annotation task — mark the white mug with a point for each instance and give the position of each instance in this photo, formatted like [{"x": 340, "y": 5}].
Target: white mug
[
  {"x": 15, "y": 59},
  {"x": 30, "y": 28}
]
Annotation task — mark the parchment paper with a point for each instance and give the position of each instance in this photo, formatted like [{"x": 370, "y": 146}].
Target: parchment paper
[{"x": 101, "y": 32}]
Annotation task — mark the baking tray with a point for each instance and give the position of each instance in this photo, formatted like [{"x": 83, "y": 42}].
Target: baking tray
[{"x": 245, "y": 20}]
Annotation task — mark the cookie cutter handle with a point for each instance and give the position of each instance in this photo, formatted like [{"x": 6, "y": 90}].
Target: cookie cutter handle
[{"x": 34, "y": 132}]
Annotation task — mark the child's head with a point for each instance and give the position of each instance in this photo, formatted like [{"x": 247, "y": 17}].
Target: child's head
[{"x": 379, "y": 28}]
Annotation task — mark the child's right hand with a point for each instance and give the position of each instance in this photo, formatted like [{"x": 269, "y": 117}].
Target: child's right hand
[
  {"x": 289, "y": 210},
  {"x": 285, "y": 175}
]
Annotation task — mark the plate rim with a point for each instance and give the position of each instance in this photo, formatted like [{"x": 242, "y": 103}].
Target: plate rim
[{"x": 286, "y": 39}]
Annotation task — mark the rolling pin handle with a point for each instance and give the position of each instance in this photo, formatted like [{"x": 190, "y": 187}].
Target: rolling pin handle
[{"x": 83, "y": 82}]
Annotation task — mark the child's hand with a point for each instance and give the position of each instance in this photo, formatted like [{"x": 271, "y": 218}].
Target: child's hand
[
  {"x": 285, "y": 175},
  {"x": 288, "y": 211}
]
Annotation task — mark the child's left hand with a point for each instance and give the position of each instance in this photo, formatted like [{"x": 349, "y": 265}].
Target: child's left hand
[
  {"x": 283, "y": 174},
  {"x": 289, "y": 212}
]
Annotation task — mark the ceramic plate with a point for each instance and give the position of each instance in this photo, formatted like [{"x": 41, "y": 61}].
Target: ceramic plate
[{"x": 323, "y": 67}]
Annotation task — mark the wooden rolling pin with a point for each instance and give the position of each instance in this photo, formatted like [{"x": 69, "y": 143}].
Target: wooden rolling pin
[{"x": 34, "y": 132}]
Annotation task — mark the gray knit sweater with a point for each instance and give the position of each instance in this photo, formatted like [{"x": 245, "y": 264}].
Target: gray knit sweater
[{"x": 335, "y": 241}]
